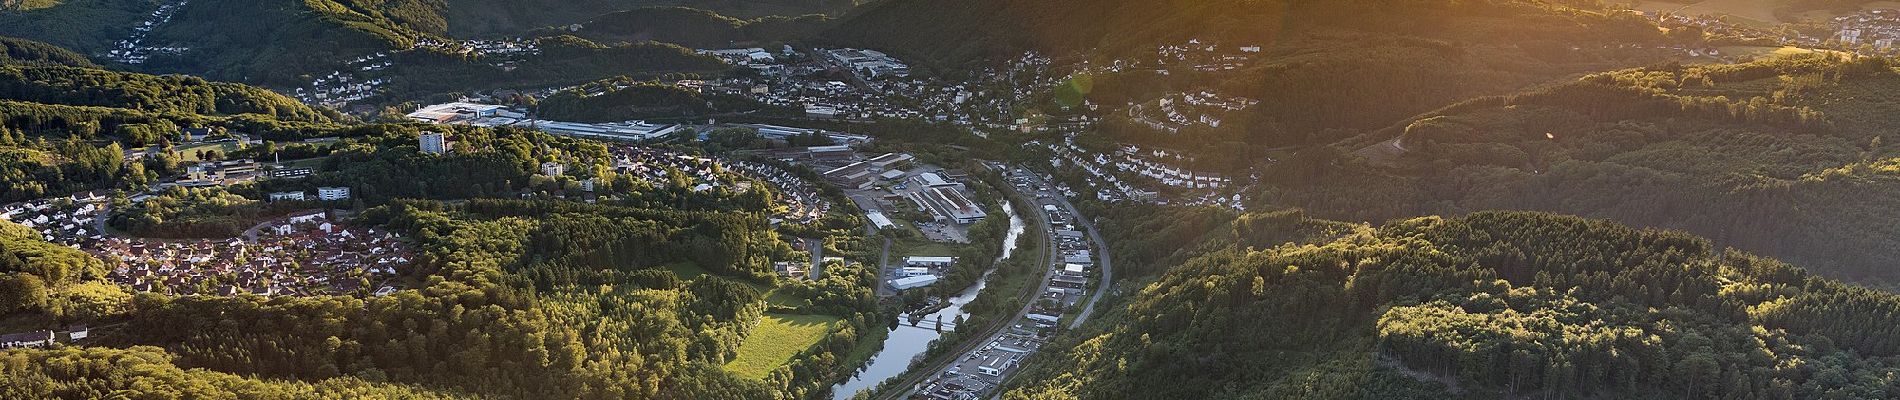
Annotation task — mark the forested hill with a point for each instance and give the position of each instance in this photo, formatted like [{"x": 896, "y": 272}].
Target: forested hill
[
  {"x": 16, "y": 51},
  {"x": 1778, "y": 157},
  {"x": 693, "y": 27},
  {"x": 65, "y": 129},
  {"x": 151, "y": 93},
  {"x": 1491, "y": 305},
  {"x": 243, "y": 40}
]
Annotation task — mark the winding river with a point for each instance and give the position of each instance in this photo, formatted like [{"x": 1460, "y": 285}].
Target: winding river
[{"x": 908, "y": 342}]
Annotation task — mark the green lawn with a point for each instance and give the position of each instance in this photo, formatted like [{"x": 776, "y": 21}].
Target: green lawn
[
  {"x": 311, "y": 163},
  {"x": 776, "y": 340},
  {"x": 779, "y": 298}
]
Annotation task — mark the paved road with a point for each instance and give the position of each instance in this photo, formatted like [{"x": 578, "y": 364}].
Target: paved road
[
  {"x": 883, "y": 268},
  {"x": 1101, "y": 251},
  {"x": 817, "y": 248}
]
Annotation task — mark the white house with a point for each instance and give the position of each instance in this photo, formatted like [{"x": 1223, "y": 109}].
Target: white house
[
  {"x": 27, "y": 339},
  {"x": 333, "y": 193},
  {"x": 291, "y": 196}
]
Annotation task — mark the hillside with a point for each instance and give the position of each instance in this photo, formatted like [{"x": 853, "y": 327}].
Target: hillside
[
  {"x": 1763, "y": 13},
  {"x": 694, "y": 27},
  {"x": 511, "y": 17},
  {"x": 151, "y": 93},
  {"x": 623, "y": 99},
  {"x": 105, "y": 372},
  {"x": 65, "y": 129},
  {"x": 17, "y": 51},
  {"x": 945, "y": 32},
  {"x": 269, "y": 41},
  {"x": 1779, "y": 157},
  {"x": 85, "y": 26},
  {"x": 1492, "y": 305},
  {"x": 1324, "y": 70}
]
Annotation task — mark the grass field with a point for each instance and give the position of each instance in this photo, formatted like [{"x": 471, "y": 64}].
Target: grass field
[
  {"x": 27, "y": 5},
  {"x": 917, "y": 246},
  {"x": 776, "y": 340},
  {"x": 1753, "y": 52},
  {"x": 686, "y": 270},
  {"x": 779, "y": 298}
]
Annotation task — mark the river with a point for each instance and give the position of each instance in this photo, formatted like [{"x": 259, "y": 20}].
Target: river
[{"x": 907, "y": 342}]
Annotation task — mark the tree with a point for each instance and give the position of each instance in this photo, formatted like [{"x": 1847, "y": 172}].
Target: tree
[{"x": 22, "y": 291}]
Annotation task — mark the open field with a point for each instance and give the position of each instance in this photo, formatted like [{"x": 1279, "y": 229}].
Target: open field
[
  {"x": 686, "y": 270},
  {"x": 918, "y": 246},
  {"x": 1755, "y": 52},
  {"x": 776, "y": 340},
  {"x": 311, "y": 163},
  {"x": 27, "y": 5}
]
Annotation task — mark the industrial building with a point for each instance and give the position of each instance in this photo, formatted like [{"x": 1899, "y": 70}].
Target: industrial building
[
  {"x": 460, "y": 113},
  {"x": 995, "y": 363},
  {"x": 433, "y": 143},
  {"x": 878, "y": 219},
  {"x": 857, "y": 175},
  {"x": 868, "y": 63},
  {"x": 913, "y": 282},
  {"x": 925, "y": 261},
  {"x": 624, "y": 131},
  {"x": 884, "y": 162},
  {"x": 781, "y": 133}
]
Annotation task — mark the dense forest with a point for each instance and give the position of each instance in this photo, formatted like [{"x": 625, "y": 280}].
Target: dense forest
[
  {"x": 1491, "y": 305},
  {"x": 98, "y": 372},
  {"x": 1779, "y": 157}
]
